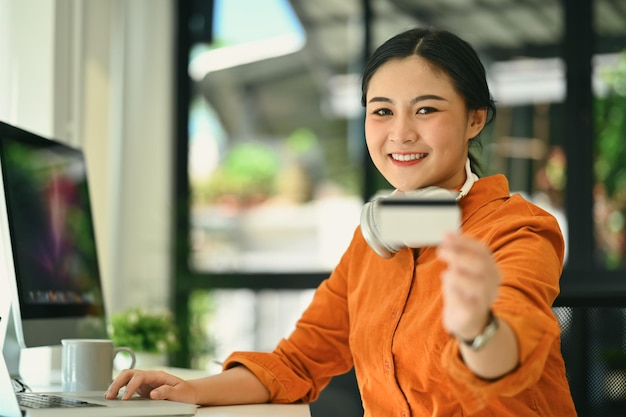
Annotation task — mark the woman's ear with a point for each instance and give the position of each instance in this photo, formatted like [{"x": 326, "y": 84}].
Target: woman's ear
[{"x": 476, "y": 122}]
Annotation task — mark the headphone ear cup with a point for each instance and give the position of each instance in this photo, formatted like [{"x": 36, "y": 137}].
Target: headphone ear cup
[
  {"x": 370, "y": 232},
  {"x": 370, "y": 224}
]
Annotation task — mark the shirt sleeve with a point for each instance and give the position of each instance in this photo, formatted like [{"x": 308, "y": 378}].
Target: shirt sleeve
[{"x": 528, "y": 248}]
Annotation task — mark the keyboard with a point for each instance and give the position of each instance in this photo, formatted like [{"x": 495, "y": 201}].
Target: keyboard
[{"x": 34, "y": 400}]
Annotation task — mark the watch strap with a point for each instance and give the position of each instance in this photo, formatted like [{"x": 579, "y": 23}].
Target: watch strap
[{"x": 485, "y": 336}]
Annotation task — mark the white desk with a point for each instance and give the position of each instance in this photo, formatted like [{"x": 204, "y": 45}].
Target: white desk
[
  {"x": 253, "y": 410},
  {"x": 257, "y": 410}
]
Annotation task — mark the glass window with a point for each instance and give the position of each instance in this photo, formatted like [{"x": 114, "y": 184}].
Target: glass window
[
  {"x": 609, "y": 191},
  {"x": 609, "y": 159},
  {"x": 274, "y": 170},
  {"x": 610, "y": 166},
  {"x": 274, "y": 182},
  {"x": 224, "y": 321}
]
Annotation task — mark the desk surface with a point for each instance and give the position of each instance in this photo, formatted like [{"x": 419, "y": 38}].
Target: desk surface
[
  {"x": 257, "y": 410},
  {"x": 252, "y": 410}
]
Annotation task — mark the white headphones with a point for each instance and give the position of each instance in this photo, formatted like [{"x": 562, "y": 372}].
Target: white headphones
[
  {"x": 469, "y": 182},
  {"x": 369, "y": 219}
]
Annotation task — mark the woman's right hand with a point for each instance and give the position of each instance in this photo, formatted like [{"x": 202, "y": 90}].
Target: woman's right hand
[{"x": 156, "y": 385}]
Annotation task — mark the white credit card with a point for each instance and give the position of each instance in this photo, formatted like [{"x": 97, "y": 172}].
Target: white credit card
[{"x": 416, "y": 222}]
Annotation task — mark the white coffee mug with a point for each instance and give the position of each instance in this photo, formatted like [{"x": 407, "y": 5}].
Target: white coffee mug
[{"x": 87, "y": 364}]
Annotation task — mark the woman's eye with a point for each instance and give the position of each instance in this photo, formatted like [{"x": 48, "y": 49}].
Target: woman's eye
[
  {"x": 426, "y": 110},
  {"x": 381, "y": 112}
]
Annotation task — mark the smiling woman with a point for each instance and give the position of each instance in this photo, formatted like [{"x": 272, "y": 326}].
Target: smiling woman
[{"x": 461, "y": 326}]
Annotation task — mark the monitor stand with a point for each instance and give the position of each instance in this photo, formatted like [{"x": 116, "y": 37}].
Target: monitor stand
[
  {"x": 11, "y": 350},
  {"x": 47, "y": 370}
]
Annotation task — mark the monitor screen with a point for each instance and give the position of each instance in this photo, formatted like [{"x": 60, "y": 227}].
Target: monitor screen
[{"x": 49, "y": 233}]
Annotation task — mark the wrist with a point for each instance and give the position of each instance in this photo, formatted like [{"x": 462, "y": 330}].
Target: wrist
[{"x": 486, "y": 335}]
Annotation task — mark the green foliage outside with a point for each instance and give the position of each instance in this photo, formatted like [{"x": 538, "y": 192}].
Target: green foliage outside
[
  {"x": 610, "y": 166},
  {"x": 248, "y": 170},
  {"x": 610, "y": 123}
]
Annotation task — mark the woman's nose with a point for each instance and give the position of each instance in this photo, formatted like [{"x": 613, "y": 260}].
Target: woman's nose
[{"x": 403, "y": 130}]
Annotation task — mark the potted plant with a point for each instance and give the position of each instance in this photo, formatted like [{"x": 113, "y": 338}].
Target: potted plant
[{"x": 151, "y": 334}]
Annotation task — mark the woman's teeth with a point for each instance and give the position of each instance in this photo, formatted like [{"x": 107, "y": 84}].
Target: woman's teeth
[{"x": 408, "y": 157}]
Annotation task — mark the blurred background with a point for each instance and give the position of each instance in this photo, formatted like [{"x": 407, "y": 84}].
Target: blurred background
[{"x": 228, "y": 164}]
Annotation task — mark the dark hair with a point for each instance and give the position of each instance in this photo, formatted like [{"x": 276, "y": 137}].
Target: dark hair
[{"x": 450, "y": 54}]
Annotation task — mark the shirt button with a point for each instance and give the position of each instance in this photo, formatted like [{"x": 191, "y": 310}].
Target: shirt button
[
  {"x": 394, "y": 314},
  {"x": 387, "y": 366},
  {"x": 403, "y": 414}
]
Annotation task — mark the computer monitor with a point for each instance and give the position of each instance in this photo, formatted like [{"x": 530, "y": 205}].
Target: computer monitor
[{"x": 48, "y": 259}]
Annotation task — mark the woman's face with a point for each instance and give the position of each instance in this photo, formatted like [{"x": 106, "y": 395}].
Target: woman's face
[{"x": 417, "y": 126}]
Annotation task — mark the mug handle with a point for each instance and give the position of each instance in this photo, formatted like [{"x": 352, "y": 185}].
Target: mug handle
[{"x": 128, "y": 350}]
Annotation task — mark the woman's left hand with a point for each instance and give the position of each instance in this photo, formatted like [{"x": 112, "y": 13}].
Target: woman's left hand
[{"x": 469, "y": 285}]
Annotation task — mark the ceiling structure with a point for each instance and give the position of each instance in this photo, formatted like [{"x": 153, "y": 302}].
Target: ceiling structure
[{"x": 280, "y": 94}]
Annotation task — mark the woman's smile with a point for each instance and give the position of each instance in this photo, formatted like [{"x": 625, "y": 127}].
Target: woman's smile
[{"x": 407, "y": 159}]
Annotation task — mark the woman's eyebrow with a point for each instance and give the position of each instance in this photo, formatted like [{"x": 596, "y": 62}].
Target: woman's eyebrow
[
  {"x": 379, "y": 99},
  {"x": 427, "y": 97}
]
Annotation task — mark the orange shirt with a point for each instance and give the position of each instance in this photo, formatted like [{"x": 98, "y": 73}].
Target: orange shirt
[{"x": 384, "y": 318}]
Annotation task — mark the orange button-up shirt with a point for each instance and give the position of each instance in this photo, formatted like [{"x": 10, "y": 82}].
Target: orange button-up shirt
[{"x": 383, "y": 316}]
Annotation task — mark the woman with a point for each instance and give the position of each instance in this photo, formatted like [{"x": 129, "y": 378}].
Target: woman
[{"x": 462, "y": 328}]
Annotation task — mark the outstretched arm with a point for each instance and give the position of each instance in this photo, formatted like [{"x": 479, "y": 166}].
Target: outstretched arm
[{"x": 470, "y": 286}]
